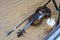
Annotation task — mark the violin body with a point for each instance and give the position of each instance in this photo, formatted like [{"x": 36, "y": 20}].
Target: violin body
[{"x": 43, "y": 11}]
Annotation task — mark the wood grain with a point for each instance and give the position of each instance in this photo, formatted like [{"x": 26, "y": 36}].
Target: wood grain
[{"x": 13, "y": 12}]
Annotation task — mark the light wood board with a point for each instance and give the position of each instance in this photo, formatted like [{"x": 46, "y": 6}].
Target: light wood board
[{"x": 13, "y": 12}]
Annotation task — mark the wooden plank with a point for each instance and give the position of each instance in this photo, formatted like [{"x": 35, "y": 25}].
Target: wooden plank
[{"x": 14, "y": 11}]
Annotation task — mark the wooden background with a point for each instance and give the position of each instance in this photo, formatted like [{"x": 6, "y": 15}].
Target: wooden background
[{"x": 13, "y": 12}]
